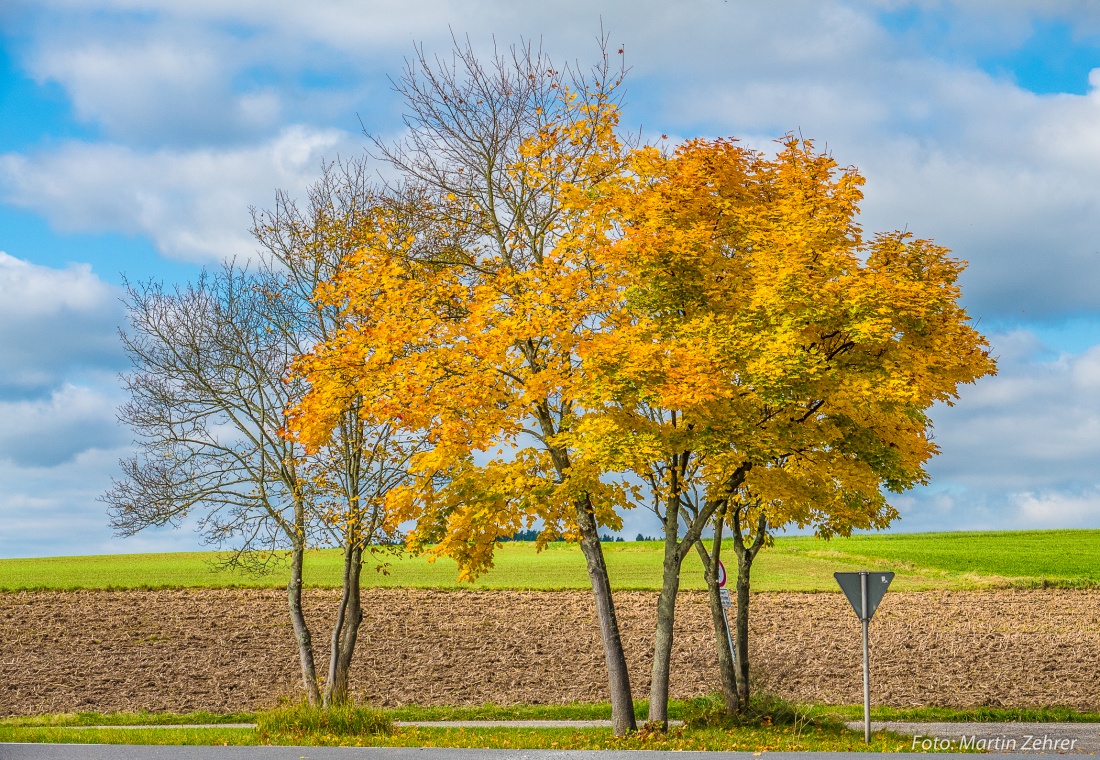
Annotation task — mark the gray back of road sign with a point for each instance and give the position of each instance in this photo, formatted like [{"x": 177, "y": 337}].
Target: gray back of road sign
[{"x": 877, "y": 583}]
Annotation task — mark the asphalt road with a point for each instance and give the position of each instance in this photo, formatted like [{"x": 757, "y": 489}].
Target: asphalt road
[
  {"x": 1001, "y": 738},
  {"x": 1005, "y": 739},
  {"x": 130, "y": 752}
]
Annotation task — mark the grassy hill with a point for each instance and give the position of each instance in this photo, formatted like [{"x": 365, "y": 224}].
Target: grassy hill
[{"x": 921, "y": 561}]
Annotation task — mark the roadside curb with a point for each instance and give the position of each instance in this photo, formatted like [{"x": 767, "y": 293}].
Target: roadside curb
[{"x": 406, "y": 724}]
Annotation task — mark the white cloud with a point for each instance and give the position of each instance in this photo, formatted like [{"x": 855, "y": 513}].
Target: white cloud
[
  {"x": 1059, "y": 510},
  {"x": 1002, "y": 176},
  {"x": 1033, "y": 427},
  {"x": 197, "y": 103},
  {"x": 52, "y": 431},
  {"x": 52, "y": 511},
  {"x": 193, "y": 204},
  {"x": 171, "y": 84},
  {"x": 29, "y": 290},
  {"x": 54, "y": 322},
  {"x": 1019, "y": 450}
]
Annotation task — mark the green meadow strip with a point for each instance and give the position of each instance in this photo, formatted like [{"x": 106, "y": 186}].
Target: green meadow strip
[
  {"x": 928, "y": 561},
  {"x": 739, "y": 739},
  {"x": 63, "y": 720},
  {"x": 770, "y": 724},
  {"x": 176, "y": 736}
]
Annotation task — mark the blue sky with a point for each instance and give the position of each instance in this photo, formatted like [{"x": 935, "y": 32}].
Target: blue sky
[{"x": 135, "y": 136}]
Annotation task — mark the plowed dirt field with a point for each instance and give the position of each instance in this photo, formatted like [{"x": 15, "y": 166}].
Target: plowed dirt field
[{"x": 231, "y": 650}]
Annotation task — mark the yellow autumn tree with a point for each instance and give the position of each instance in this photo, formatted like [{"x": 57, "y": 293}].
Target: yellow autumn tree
[
  {"x": 765, "y": 363},
  {"x": 559, "y": 316},
  {"x": 468, "y": 327}
]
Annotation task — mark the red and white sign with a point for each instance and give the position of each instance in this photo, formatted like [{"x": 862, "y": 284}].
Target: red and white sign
[{"x": 721, "y": 574}]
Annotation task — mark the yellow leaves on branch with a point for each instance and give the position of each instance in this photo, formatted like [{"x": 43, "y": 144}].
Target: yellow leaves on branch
[
  {"x": 759, "y": 328},
  {"x": 714, "y": 301}
]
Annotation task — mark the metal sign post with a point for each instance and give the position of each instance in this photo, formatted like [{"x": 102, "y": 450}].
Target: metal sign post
[
  {"x": 864, "y": 591},
  {"x": 726, "y": 604}
]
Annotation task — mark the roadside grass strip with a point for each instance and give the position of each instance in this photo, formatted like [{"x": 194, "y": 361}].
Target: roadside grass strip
[
  {"x": 142, "y": 719},
  {"x": 781, "y": 738},
  {"x": 769, "y": 725},
  {"x": 121, "y": 735},
  {"x": 928, "y": 561}
]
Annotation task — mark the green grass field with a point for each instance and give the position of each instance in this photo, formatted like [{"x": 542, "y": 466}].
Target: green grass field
[{"x": 922, "y": 561}]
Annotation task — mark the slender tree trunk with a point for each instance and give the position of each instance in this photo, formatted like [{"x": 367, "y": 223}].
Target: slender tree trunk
[
  {"x": 722, "y": 633},
  {"x": 622, "y": 703},
  {"x": 741, "y": 652},
  {"x": 745, "y": 557},
  {"x": 666, "y": 616},
  {"x": 298, "y": 620},
  {"x": 345, "y": 631},
  {"x": 676, "y": 550}
]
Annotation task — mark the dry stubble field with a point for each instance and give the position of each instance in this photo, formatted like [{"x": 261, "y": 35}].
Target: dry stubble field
[{"x": 231, "y": 650}]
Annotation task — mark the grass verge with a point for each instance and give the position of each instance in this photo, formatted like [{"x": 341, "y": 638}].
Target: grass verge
[
  {"x": 746, "y": 739},
  {"x": 67, "y": 720},
  {"x": 770, "y": 725}
]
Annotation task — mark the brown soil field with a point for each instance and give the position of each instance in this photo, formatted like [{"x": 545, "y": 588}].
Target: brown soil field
[{"x": 231, "y": 650}]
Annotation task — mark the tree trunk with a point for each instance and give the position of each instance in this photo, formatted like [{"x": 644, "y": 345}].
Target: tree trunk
[
  {"x": 741, "y": 646},
  {"x": 722, "y": 633},
  {"x": 675, "y": 552},
  {"x": 345, "y": 631},
  {"x": 745, "y": 556},
  {"x": 622, "y": 703},
  {"x": 666, "y": 618},
  {"x": 298, "y": 620}
]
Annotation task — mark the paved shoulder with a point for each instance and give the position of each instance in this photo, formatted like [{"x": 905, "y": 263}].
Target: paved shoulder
[
  {"x": 1005, "y": 738},
  {"x": 130, "y": 752}
]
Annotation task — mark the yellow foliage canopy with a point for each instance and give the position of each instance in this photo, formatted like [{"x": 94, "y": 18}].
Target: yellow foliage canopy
[
  {"x": 760, "y": 332},
  {"x": 714, "y": 306}
]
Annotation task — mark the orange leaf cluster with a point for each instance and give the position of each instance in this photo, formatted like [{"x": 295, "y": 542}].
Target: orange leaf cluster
[{"x": 713, "y": 301}]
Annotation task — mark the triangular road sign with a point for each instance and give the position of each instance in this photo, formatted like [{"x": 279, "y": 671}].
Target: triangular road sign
[{"x": 852, "y": 586}]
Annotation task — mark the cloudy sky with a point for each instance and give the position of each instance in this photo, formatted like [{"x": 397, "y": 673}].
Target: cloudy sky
[{"x": 134, "y": 137}]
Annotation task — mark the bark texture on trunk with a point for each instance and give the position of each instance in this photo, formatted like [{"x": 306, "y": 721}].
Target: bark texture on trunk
[
  {"x": 722, "y": 633},
  {"x": 666, "y": 618},
  {"x": 622, "y": 702},
  {"x": 345, "y": 632},
  {"x": 676, "y": 549},
  {"x": 298, "y": 621},
  {"x": 745, "y": 556}
]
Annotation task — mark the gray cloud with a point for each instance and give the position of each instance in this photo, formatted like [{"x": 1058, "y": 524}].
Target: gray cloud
[
  {"x": 52, "y": 511},
  {"x": 52, "y": 431},
  {"x": 53, "y": 323}
]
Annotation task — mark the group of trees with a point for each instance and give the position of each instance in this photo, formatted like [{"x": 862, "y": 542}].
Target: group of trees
[
  {"x": 538, "y": 325},
  {"x": 209, "y": 395}
]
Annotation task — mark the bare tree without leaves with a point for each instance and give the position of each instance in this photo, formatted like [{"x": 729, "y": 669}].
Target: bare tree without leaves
[
  {"x": 208, "y": 398},
  {"x": 206, "y": 404}
]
